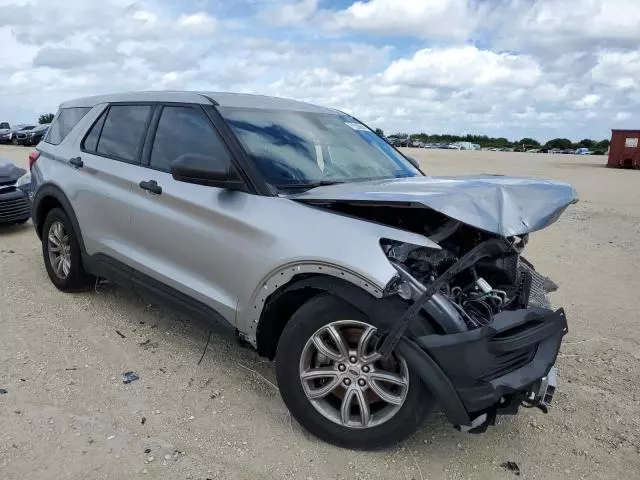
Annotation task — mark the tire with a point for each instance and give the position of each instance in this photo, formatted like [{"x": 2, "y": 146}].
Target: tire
[
  {"x": 14, "y": 141},
  {"x": 73, "y": 278},
  {"x": 324, "y": 417}
]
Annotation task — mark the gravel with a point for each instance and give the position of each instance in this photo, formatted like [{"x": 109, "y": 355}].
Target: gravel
[{"x": 79, "y": 421}]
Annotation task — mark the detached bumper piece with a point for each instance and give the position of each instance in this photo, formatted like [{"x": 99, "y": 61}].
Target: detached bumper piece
[
  {"x": 497, "y": 368},
  {"x": 15, "y": 205}
]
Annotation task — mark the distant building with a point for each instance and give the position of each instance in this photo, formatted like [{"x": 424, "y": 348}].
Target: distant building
[{"x": 624, "y": 149}]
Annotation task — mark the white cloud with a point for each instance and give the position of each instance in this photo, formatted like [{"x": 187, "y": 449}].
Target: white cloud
[
  {"x": 620, "y": 70},
  {"x": 462, "y": 67},
  {"x": 588, "y": 101},
  {"x": 197, "y": 24},
  {"x": 291, "y": 13},
  {"x": 513, "y": 68},
  {"x": 419, "y": 18},
  {"x": 554, "y": 26}
]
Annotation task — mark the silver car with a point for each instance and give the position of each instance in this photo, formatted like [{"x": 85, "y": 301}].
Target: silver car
[{"x": 379, "y": 291}]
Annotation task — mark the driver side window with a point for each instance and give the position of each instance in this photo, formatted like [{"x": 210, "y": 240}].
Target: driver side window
[{"x": 185, "y": 130}]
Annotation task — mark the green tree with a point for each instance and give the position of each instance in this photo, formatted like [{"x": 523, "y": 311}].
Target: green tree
[
  {"x": 586, "y": 143},
  {"x": 527, "y": 143},
  {"x": 46, "y": 118},
  {"x": 379, "y": 132},
  {"x": 561, "y": 143}
]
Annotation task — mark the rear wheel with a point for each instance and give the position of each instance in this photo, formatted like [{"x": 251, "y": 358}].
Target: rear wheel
[
  {"x": 338, "y": 386},
  {"x": 61, "y": 253}
]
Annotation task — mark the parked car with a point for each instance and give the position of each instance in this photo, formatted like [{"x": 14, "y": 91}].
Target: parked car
[
  {"x": 20, "y": 136},
  {"x": 583, "y": 151},
  {"x": 15, "y": 186},
  {"x": 534, "y": 150},
  {"x": 18, "y": 132},
  {"x": 32, "y": 136},
  {"x": 378, "y": 291},
  {"x": 568, "y": 151},
  {"x": 5, "y": 132}
]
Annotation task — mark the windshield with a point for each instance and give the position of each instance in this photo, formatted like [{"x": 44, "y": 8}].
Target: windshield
[
  {"x": 4, "y": 126},
  {"x": 305, "y": 149}
]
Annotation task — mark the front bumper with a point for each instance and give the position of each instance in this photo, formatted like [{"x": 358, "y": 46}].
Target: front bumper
[
  {"x": 15, "y": 205},
  {"x": 492, "y": 369}
]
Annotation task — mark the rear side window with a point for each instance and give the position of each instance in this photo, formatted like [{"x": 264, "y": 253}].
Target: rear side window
[
  {"x": 90, "y": 142},
  {"x": 184, "y": 130},
  {"x": 66, "y": 119},
  {"x": 119, "y": 133}
]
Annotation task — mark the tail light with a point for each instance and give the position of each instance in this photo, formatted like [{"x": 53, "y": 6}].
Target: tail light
[{"x": 33, "y": 157}]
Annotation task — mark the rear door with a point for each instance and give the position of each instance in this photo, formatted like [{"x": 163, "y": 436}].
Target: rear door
[
  {"x": 109, "y": 166},
  {"x": 184, "y": 233}
]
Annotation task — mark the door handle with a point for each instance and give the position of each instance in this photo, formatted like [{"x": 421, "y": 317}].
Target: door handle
[
  {"x": 76, "y": 162},
  {"x": 151, "y": 186}
]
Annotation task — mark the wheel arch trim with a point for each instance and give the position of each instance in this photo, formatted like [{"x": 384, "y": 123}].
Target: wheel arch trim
[
  {"x": 283, "y": 276},
  {"x": 51, "y": 190}
]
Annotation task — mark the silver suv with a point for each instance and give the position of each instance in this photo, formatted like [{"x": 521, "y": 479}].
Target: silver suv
[{"x": 379, "y": 291}]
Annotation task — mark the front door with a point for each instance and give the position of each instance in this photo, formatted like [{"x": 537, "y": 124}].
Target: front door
[{"x": 185, "y": 234}]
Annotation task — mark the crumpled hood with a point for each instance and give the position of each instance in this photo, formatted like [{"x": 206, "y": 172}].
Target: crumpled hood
[
  {"x": 505, "y": 206},
  {"x": 9, "y": 172}
]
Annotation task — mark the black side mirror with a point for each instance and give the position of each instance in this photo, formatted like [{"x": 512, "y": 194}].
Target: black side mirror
[{"x": 205, "y": 170}]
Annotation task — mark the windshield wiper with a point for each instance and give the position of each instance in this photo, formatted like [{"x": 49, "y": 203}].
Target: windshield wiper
[{"x": 309, "y": 185}]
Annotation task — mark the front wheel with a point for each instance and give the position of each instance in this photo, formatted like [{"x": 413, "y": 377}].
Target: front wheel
[
  {"x": 61, "y": 253},
  {"x": 339, "y": 387}
]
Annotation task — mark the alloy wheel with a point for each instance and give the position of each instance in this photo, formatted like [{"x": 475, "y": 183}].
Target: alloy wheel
[
  {"x": 347, "y": 380},
  {"x": 59, "y": 249}
]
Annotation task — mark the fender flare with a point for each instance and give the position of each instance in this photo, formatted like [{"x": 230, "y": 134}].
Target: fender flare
[
  {"x": 284, "y": 278},
  {"x": 386, "y": 311},
  {"x": 51, "y": 190}
]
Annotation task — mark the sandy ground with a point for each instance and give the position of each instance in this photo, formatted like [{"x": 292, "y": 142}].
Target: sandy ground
[{"x": 67, "y": 413}]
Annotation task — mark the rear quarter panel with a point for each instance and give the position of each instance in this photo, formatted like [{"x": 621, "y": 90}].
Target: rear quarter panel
[{"x": 97, "y": 193}]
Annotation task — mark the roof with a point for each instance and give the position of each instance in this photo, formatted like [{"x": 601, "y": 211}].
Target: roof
[
  {"x": 224, "y": 99},
  {"x": 625, "y": 130}
]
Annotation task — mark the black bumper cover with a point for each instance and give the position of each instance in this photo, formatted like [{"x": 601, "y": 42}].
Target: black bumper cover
[
  {"x": 15, "y": 205},
  {"x": 472, "y": 372}
]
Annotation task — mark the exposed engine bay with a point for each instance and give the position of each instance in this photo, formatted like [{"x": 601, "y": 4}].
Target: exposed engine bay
[
  {"x": 492, "y": 285},
  {"x": 476, "y": 322}
]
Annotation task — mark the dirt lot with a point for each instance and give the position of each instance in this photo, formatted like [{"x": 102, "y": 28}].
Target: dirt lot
[{"x": 67, "y": 413}]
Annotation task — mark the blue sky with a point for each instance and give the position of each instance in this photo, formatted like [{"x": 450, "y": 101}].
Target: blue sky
[{"x": 514, "y": 68}]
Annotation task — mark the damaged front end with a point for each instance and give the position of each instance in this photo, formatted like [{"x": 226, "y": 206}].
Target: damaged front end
[
  {"x": 494, "y": 339},
  {"x": 478, "y": 326}
]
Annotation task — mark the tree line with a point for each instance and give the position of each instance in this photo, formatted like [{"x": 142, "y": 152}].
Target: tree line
[
  {"x": 500, "y": 142},
  {"x": 46, "y": 118}
]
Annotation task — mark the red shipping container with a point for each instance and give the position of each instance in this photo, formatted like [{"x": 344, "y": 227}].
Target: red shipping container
[{"x": 624, "y": 151}]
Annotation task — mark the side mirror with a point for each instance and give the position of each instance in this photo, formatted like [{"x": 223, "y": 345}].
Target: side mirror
[
  {"x": 205, "y": 170},
  {"x": 413, "y": 162}
]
